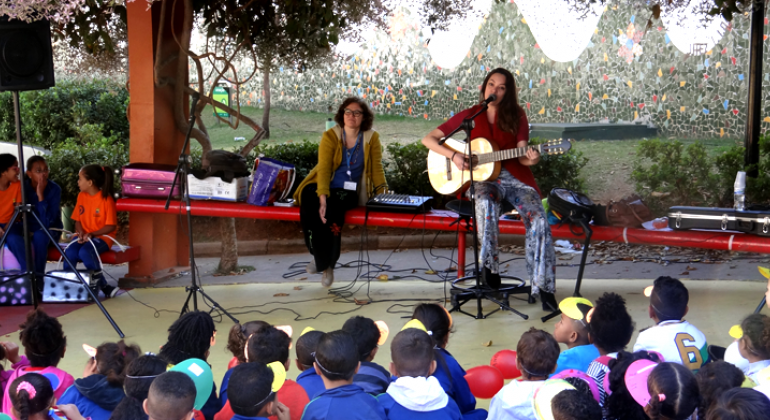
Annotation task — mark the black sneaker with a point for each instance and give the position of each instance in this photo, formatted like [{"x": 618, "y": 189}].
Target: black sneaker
[{"x": 108, "y": 290}]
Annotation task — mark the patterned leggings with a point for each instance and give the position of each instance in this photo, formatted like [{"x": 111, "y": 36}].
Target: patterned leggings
[{"x": 541, "y": 258}]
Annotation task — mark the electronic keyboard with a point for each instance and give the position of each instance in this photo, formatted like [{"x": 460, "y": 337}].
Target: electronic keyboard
[{"x": 400, "y": 203}]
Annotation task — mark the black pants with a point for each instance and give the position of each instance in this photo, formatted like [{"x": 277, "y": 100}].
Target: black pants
[{"x": 325, "y": 240}]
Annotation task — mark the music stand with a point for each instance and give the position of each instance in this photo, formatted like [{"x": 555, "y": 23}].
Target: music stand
[
  {"x": 182, "y": 170},
  {"x": 480, "y": 291},
  {"x": 25, "y": 210}
]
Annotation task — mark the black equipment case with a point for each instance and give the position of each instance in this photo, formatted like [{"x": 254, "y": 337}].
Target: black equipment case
[{"x": 715, "y": 218}]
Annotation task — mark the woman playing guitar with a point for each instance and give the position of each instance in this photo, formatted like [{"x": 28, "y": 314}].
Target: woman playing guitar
[{"x": 505, "y": 123}]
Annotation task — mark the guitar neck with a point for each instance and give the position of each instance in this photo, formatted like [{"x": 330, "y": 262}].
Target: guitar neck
[{"x": 506, "y": 154}]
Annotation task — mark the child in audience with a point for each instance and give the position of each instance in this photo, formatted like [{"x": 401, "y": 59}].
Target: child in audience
[
  {"x": 101, "y": 388},
  {"x": 713, "y": 380},
  {"x": 236, "y": 340},
  {"x": 673, "y": 392},
  {"x": 674, "y": 338},
  {"x": 449, "y": 373},
  {"x": 9, "y": 351},
  {"x": 754, "y": 345},
  {"x": 44, "y": 345},
  {"x": 741, "y": 404},
  {"x": 252, "y": 396},
  {"x": 95, "y": 216},
  {"x": 32, "y": 397},
  {"x": 267, "y": 346},
  {"x": 191, "y": 337},
  {"x": 309, "y": 379},
  {"x": 610, "y": 328},
  {"x": 575, "y": 405},
  {"x": 416, "y": 394},
  {"x": 572, "y": 330},
  {"x": 619, "y": 404},
  {"x": 171, "y": 397},
  {"x": 373, "y": 378},
  {"x": 139, "y": 376},
  {"x": 336, "y": 360},
  {"x": 536, "y": 355}
]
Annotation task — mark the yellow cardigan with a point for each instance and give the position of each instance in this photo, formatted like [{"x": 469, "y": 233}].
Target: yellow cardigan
[{"x": 330, "y": 158}]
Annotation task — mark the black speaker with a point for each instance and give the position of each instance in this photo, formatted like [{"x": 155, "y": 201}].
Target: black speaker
[{"x": 26, "y": 56}]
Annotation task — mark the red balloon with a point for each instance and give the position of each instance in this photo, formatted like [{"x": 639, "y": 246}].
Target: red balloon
[
  {"x": 505, "y": 362},
  {"x": 484, "y": 381}
]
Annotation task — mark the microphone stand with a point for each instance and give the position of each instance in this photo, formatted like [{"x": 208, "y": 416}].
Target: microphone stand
[
  {"x": 479, "y": 291},
  {"x": 182, "y": 170}
]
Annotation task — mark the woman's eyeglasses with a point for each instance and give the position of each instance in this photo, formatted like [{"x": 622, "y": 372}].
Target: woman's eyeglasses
[{"x": 357, "y": 114}]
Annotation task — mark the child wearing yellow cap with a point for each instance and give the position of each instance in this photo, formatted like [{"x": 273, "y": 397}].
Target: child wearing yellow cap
[{"x": 572, "y": 330}]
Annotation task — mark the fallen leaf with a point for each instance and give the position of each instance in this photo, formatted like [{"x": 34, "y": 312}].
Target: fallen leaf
[
  {"x": 297, "y": 287},
  {"x": 453, "y": 268},
  {"x": 487, "y": 344},
  {"x": 685, "y": 273},
  {"x": 280, "y": 295},
  {"x": 691, "y": 268},
  {"x": 382, "y": 277},
  {"x": 360, "y": 302},
  {"x": 303, "y": 278},
  {"x": 430, "y": 272}
]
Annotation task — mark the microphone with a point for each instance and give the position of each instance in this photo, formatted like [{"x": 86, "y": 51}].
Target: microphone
[{"x": 490, "y": 98}]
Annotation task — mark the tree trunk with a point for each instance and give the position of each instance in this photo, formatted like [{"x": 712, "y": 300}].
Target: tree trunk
[
  {"x": 228, "y": 263},
  {"x": 266, "y": 114}
]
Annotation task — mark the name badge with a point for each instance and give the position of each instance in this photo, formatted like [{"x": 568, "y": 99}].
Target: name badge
[{"x": 350, "y": 185}]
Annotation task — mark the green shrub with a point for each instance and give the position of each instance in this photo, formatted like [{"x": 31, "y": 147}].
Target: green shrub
[
  {"x": 732, "y": 161},
  {"x": 68, "y": 157},
  {"x": 51, "y": 116},
  {"x": 559, "y": 171},
  {"x": 668, "y": 173},
  {"x": 406, "y": 169}
]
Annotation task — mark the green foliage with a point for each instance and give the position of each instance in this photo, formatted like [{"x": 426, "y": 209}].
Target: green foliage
[
  {"x": 51, "y": 116},
  {"x": 68, "y": 157},
  {"x": 732, "y": 161},
  {"x": 559, "y": 171},
  {"x": 668, "y": 173},
  {"x": 406, "y": 170}
]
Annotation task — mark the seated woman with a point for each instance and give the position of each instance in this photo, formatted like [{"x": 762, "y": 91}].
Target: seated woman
[
  {"x": 348, "y": 173},
  {"x": 10, "y": 196},
  {"x": 45, "y": 197},
  {"x": 94, "y": 216}
]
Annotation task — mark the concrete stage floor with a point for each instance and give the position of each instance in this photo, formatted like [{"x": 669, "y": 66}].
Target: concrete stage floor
[{"x": 715, "y": 305}]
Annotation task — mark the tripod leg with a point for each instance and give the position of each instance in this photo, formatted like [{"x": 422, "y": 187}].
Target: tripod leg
[
  {"x": 583, "y": 256},
  {"x": 82, "y": 280}
]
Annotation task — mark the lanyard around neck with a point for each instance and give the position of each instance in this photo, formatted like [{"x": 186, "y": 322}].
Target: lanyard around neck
[{"x": 349, "y": 155}]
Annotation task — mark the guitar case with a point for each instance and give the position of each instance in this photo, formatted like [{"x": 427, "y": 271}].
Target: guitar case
[
  {"x": 571, "y": 204},
  {"x": 755, "y": 222}
]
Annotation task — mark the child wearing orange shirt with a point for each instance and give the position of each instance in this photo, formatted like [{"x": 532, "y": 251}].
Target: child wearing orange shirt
[
  {"x": 10, "y": 188},
  {"x": 94, "y": 215}
]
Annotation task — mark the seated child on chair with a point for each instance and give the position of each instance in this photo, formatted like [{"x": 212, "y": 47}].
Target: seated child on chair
[
  {"x": 94, "y": 216},
  {"x": 416, "y": 394},
  {"x": 675, "y": 339},
  {"x": 572, "y": 330}
]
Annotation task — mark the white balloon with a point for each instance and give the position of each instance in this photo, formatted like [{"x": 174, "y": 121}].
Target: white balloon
[
  {"x": 561, "y": 32},
  {"x": 689, "y": 32}
]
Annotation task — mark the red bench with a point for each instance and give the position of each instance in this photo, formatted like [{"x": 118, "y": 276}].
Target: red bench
[
  {"x": 444, "y": 220},
  {"x": 114, "y": 256}
]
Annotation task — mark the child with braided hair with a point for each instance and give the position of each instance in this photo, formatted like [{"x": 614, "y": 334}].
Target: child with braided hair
[
  {"x": 44, "y": 345},
  {"x": 191, "y": 337},
  {"x": 101, "y": 388},
  {"x": 32, "y": 398},
  {"x": 672, "y": 391},
  {"x": 754, "y": 346}
]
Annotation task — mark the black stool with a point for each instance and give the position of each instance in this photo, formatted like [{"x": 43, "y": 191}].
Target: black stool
[{"x": 461, "y": 294}]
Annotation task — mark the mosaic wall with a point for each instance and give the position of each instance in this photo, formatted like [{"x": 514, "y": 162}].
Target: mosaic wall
[{"x": 625, "y": 74}]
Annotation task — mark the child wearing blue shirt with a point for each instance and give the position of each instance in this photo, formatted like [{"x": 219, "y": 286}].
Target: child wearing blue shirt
[
  {"x": 309, "y": 379},
  {"x": 373, "y": 378},
  {"x": 336, "y": 361},
  {"x": 416, "y": 394},
  {"x": 252, "y": 393},
  {"x": 572, "y": 330}
]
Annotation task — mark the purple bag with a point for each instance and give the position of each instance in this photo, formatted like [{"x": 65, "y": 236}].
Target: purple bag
[
  {"x": 272, "y": 180},
  {"x": 148, "y": 180}
]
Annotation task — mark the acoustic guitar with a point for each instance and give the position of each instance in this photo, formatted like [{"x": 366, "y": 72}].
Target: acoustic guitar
[{"x": 448, "y": 180}]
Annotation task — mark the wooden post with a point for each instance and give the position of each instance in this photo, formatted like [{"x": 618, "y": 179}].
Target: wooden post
[
  {"x": 153, "y": 138},
  {"x": 754, "y": 105}
]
